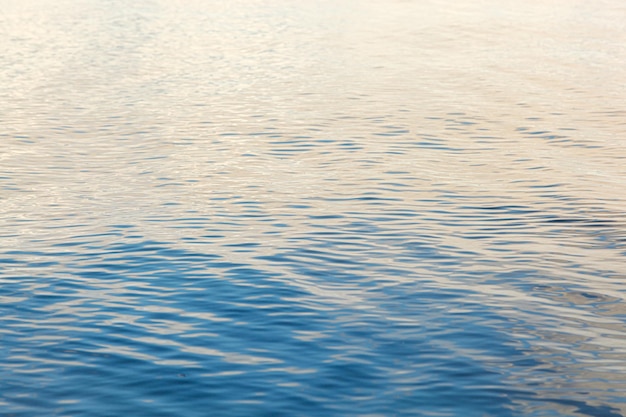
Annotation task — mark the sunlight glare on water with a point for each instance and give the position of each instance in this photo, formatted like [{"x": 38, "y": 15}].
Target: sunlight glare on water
[{"x": 312, "y": 208}]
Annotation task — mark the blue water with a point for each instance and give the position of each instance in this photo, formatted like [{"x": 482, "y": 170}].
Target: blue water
[{"x": 315, "y": 208}]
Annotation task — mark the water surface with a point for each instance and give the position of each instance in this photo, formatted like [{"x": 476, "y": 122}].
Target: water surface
[{"x": 312, "y": 208}]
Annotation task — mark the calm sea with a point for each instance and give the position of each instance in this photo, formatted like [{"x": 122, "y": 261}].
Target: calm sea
[{"x": 312, "y": 208}]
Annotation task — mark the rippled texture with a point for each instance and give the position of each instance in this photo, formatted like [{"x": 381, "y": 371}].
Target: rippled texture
[{"x": 312, "y": 208}]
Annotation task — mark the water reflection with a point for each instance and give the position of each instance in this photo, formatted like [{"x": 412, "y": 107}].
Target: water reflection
[{"x": 329, "y": 208}]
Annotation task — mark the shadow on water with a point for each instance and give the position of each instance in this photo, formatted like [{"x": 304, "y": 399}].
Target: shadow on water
[{"x": 157, "y": 328}]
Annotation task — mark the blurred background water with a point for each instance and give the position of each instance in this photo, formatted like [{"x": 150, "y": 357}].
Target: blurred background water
[{"x": 312, "y": 208}]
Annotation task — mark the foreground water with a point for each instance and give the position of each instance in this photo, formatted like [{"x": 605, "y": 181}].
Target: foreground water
[{"x": 312, "y": 208}]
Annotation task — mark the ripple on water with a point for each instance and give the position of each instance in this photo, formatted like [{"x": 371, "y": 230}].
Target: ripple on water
[{"x": 321, "y": 209}]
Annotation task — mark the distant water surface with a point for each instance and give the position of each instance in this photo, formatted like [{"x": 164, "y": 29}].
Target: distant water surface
[{"x": 312, "y": 208}]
